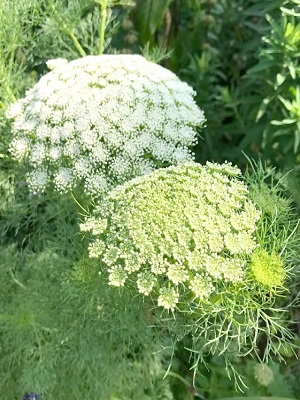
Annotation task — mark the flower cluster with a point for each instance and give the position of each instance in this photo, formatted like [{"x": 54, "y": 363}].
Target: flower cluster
[
  {"x": 184, "y": 229},
  {"x": 268, "y": 269},
  {"x": 102, "y": 120},
  {"x": 263, "y": 374}
]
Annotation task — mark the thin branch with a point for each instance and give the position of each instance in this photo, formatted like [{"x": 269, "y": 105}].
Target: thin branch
[
  {"x": 102, "y": 27},
  {"x": 77, "y": 45}
]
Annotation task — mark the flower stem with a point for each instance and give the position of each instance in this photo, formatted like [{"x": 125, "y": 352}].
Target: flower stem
[
  {"x": 73, "y": 37},
  {"x": 78, "y": 46},
  {"x": 103, "y": 18}
]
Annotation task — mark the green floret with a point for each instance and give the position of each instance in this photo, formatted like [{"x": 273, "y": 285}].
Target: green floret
[{"x": 268, "y": 269}]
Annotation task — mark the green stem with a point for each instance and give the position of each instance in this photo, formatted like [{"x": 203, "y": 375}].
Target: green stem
[
  {"x": 16, "y": 280},
  {"x": 187, "y": 383},
  {"x": 103, "y": 18},
  {"x": 77, "y": 45}
]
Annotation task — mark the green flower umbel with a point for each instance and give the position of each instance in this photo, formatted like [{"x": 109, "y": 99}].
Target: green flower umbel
[
  {"x": 268, "y": 269},
  {"x": 194, "y": 240},
  {"x": 263, "y": 374},
  {"x": 184, "y": 230}
]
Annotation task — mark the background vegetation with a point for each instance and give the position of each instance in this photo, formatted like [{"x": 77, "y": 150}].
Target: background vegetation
[{"x": 242, "y": 58}]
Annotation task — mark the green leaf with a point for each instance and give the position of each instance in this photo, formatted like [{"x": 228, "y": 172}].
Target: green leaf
[
  {"x": 286, "y": 121},
  {"x": 260, "y": 9},
  {"x": 292, "y": 70},
  {"x": 261, "y": 66},
  {"x": 280, "y": 79},
  {"x": 149, "y": 17},
  {"x": 297, "y": 141},
  {"x": 287, "y": 104},
  {"x": 289, "y": 12},
  {"x": 255, "y": 27},
  {"x": 262, "y": 109},
  {"x": 253, "y": 136}
]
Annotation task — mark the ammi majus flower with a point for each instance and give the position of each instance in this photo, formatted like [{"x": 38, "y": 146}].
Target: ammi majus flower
[
  {"x": 182, "y": 231},
  {"x": 101, "y": 120}
]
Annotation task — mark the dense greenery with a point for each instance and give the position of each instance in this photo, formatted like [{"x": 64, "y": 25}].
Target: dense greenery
[{"x": 64, "y": 333}]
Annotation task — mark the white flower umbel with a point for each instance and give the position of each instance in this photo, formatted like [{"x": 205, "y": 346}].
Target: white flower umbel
[
  {"x": 102, "y": 120},
  {"x": 175, "y": 232}
]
